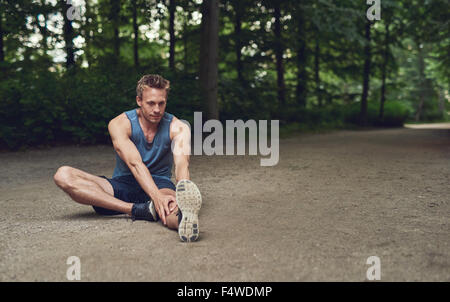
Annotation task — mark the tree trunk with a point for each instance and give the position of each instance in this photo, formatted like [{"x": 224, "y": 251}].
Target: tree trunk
[
  {"x": 88, "y": 33},
  {"x": 441, "y": 102},
  {"x": 301, "y": 61},
  {"x": 366, "y": 76},
  {"x": 383, "y": 71},
  {"x": 422, "y": 83},
  {"x": 209, "y": 53},
  {"x": 2, "y": 53},
  {"x": 279, "y": 55},
  {"x": 44, "y": 33},
  {"x": 172, "y": 7},
  {"x": 185, "y": 43},
  {"x": 238, "y": 43},
  {"x": 136, "y": 35},
  {"x": 68, "y": 36},
  {"x": 115, "y": 13},
  {"x": 317, "y": 70}
]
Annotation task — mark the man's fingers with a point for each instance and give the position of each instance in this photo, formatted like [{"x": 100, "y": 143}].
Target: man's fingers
[
  {"x": 166, "y": 208},
  {"x": 162, "y": 215}
]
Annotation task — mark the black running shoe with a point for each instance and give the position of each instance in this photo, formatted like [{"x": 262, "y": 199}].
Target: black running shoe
[{"x": 144, "y": 211}]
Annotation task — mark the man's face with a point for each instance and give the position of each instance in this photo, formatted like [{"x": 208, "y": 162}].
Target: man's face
[{"x": 152, "y": 104}]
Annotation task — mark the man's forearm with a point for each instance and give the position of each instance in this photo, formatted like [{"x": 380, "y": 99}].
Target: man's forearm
[
  {"x": 181, "y": 171},
  {"x": 145, "y": 180}
]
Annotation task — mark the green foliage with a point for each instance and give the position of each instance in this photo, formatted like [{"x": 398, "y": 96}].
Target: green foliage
[
  {"x": 396, "y": 113},
  {"x": 41, "y": 107},
  {"x": 43, "y": 102}
]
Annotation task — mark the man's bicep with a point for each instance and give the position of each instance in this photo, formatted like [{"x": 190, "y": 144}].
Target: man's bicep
[
  {"x": 123, "y": 145},
  {"x": 182, "y": 141}
]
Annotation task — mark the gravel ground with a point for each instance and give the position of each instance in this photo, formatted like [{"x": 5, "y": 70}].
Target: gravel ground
[{"x": 333, "y": 200}]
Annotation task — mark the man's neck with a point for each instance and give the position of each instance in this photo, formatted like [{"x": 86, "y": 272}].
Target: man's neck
[{"x": 145, "y": 124}]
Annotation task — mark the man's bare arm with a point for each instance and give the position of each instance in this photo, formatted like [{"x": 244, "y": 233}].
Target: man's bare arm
[
  {"x": 181, "y": 143},
  {"x": 120, "y": 130}
]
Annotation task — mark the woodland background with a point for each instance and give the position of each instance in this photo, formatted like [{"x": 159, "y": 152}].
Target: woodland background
[{"x": 311, "y": 64}]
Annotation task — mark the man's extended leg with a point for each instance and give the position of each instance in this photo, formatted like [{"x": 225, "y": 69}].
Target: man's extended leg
[
  {"x": 89, "y": 189},
  {"x": 189, "y": 202}
]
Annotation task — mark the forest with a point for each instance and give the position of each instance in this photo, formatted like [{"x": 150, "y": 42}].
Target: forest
[{"x": 68, "y": 67}]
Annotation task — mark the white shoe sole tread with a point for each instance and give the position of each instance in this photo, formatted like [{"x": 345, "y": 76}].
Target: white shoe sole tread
[{"x": 189, "y": 202}]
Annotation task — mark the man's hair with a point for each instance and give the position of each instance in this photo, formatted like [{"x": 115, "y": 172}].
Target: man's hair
[{"x": 152, "y": 81}]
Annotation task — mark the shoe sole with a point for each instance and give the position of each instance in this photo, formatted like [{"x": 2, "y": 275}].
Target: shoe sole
[{"x": 189, "y": 202}]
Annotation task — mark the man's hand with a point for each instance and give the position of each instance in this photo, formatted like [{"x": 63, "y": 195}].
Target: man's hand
[{"x": 161, "y": 203}]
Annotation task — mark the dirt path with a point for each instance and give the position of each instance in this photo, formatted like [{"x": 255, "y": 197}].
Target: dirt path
[{"x": 332, "y": 201}]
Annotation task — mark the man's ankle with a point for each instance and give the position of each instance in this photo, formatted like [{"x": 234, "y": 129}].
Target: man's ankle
[{"x": 144, "y": 211}]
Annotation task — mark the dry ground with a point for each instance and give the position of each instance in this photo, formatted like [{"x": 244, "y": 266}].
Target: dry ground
[{"x": 333, "y": 200}]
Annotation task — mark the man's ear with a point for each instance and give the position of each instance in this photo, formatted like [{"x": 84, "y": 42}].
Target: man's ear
[{"x": 138, "y": 101}]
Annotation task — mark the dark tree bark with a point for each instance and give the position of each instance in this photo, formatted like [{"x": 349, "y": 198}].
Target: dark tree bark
[
  {"x": 44, "y": 33},
  {"x": 301, "y": 61},
  {"x": 279, "y": 55},
  {"x": 136, "y": 35},
  {"x": 185, "y": 43},
  {"x": 383, "y": 71},
  {"x": 209, "y": 53},
  {"x": 422, "y": 82},
  {"x": 115, "y": 14},
  {"x": 89, "y": 33},
  {"x": 366, "y": 75},
  {"x": 238, "y": 43},
  {"x": 2, "y": 53},
  {"x": 172, "y": 6},
  {"x": 68, "y": 36},
  {"x": 442, "y": 100},
  {"x": 317, "y": 71}
]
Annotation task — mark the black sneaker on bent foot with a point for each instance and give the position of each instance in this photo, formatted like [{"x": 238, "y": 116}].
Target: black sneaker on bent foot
[
  {"x": 189, "y": 202},
  {"x": 144, "y": 211}
]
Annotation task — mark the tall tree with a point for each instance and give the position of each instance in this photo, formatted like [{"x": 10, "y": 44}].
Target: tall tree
[
  {"x": 88, "y": 29},
  {"x": 392, "y": 33},
  {"x": 366, "y": 74},
  {"x": 422, "y": 80},
  {"x": 2, "y": 53},
  {"x": 384, "y": 70},
  {"x": 68, "y": 35},
  {"x": 281, "y": 89},
  {"x": 317, "y": 70},
  {"x": 302, "y": 77},
  {"x": 136, "y": 34},
  {"x": 209, "y": 55},
  {"x": 239, "y": 11},
  {"x": 172, "y": 7},
  {"x": 115, "y": 16},
  {"x": 185, "y": 42}
]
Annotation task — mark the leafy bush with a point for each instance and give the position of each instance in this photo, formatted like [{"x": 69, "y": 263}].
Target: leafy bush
[
  {"x": 395, "y": 114},
  {"x": 41, "y": 107}
]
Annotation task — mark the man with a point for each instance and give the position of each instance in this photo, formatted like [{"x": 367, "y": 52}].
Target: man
[{"x": 147, "y": 141}]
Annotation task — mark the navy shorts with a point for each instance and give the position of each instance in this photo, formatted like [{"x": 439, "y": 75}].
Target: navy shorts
[{"x": 126, "y": 188}]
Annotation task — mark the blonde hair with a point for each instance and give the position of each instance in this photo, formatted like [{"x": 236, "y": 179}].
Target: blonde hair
[{"x": 152, "y": 81}]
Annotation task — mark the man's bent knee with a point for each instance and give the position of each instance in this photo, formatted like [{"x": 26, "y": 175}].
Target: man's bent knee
[{"x": 63, "y": 176}]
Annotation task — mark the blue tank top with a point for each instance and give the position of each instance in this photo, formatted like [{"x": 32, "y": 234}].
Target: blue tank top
[{"x": 157, "y": 155}]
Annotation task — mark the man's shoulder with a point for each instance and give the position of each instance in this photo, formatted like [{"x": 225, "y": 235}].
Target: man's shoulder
[
  {"x": 177, "y": 126},
  {"x": 119, "y": 120},
  {"x": 177, "y": 122},
  {"x": 120, "y": 123}
]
